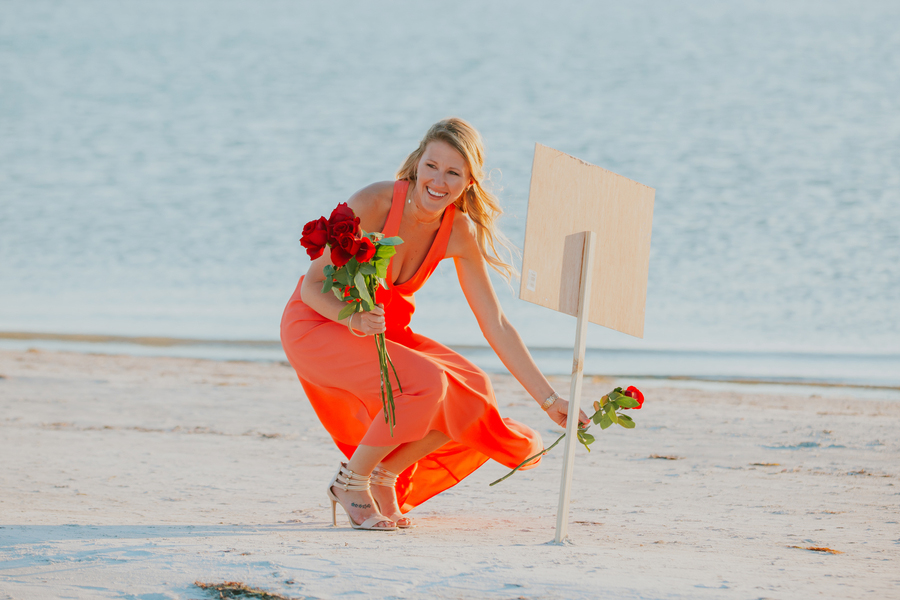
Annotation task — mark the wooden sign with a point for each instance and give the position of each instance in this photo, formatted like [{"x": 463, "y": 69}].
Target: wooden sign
[
  {"x": 569, "y": 196},
  {"x": 587, "y": 254}
]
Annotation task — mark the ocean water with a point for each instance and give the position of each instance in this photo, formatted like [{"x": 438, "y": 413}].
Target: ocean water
[{"x": 158, "y": 160}]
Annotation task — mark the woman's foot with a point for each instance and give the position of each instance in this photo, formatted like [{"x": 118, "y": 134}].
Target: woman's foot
[
  {"x": 385, "y": 495},
  {"x": 360, "y": 506},
  {"x": 351, "y": 491}
]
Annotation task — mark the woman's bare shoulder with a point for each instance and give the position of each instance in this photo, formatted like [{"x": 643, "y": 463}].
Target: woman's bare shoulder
[
  {"x": 463, "y": 242},
  {"x": 372, "y": 204}
]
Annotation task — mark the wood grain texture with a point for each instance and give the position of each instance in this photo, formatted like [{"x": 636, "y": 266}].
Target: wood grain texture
[{"x": 569, "y": 196}]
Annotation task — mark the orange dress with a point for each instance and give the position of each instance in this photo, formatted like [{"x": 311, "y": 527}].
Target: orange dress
[{"x": 441, "y": 390}]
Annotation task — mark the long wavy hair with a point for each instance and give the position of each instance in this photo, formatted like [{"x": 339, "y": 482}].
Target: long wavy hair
[{"x": 477, "y": 202}]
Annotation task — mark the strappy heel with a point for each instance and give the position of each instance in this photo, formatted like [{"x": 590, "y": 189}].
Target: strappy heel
[
  {"x": 349, "y": 481},
  {"x": 382, "y": 477}
]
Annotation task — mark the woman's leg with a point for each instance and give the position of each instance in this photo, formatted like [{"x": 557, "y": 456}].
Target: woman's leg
[
  {"x": 400, "y": 460},
  {"x": 409, "y": 453}
]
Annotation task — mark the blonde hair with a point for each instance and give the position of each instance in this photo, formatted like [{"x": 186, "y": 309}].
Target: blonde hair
[{"x": 480, "y": 205}]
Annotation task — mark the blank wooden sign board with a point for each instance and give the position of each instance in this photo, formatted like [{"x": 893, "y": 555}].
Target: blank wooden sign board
[
  {"x": 587, "y": 254},
  {"x": 569, "y": 196}
]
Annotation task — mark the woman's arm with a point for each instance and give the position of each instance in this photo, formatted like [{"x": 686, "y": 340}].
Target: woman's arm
[
  {"x": 371, "y": 205},
  {"x": 475, "y": 281}
]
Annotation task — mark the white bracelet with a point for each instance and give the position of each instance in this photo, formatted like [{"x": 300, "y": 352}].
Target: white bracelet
[
  {"x": 350, "y": 327},
  {"x": 549, "y": 401}
]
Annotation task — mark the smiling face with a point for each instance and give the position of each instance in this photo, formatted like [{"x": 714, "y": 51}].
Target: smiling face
[{"x": 441, "y": 178}]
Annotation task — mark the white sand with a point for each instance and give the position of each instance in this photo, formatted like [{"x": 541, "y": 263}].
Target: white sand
[{"x": 132, "y": 477}]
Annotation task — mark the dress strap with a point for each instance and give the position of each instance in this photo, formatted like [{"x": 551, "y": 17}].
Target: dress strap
[
  {"x": 443, "y": 235},
  {"x": 392, "y": 225},
  {"x": 438, "y": 249}
]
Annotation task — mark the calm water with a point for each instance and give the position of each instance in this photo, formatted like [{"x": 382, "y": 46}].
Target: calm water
[{"x": 158, "y": 160}]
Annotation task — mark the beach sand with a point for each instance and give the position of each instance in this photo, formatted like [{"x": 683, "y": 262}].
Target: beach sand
[{"x": 132, "y": 478}]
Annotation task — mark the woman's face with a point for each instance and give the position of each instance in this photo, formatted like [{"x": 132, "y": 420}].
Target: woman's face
[{"x": 441, "y": 178}]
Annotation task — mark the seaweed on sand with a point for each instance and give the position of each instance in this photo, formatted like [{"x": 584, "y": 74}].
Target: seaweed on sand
[{"x": 238, "y": 589}]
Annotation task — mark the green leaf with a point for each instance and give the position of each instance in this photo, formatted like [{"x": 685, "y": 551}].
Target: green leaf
[
  {"x": 626, "y": 424},
  {"x": 391, "y": 241},
  {"x": 328, "y": 270},
  {"x": 347, "y": 311},
  {"x": 342, "y": 276},
  {"x": 586, "y": 439},
  {"x": 614, "y": 395},
  {"x": 625, "y": 418},
  {"x": 385, "y": 252},
  {"x": 361, "y": 286},
  {"x": 628, "y": 402},
  {"x": 326, "y": 285},
  {"x": 339, "y": 294},
  {"x": 381, "y": 267},
  {"x": 352, "y": 267},
  {"x": 597, "y": 416},
  {"x": 608, "y": 408},
  {"x": 605, "y": 422},
  {"x": 367, "y": 269}
]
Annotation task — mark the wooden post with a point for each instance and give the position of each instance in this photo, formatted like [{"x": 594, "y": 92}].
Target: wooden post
[{"x": 584, "y": 302}]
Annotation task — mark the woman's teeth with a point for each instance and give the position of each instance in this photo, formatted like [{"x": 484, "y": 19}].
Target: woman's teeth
[{"x": 433, "y": 193}]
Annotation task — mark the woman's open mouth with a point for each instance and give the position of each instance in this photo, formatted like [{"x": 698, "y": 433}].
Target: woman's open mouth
[{"x": 434, "y": 194}]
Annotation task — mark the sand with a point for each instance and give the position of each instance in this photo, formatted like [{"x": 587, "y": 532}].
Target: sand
[{"x": 132, "y": 478}]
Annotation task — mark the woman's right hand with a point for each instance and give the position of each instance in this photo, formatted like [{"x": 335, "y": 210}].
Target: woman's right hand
[
  {"x": 559, "y": 412},
  {"x": 370, "y": 322}
]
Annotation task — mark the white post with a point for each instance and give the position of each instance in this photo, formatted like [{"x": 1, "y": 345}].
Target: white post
[{"x": 584, "y": 301}]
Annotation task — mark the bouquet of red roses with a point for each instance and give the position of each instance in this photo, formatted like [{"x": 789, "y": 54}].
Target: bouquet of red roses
[
  {"x": 604, "y": 415},
  {"x": 360, "y": 261}
]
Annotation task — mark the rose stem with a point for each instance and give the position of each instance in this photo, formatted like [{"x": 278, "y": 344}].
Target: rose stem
[{"x": 531, "y": 458}]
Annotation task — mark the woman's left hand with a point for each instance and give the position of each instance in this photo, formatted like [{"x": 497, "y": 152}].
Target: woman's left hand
[{"x": 559, "y": 412}]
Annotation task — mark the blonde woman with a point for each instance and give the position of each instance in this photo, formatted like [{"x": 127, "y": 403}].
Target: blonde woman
[{"x": 447, "y": 424}]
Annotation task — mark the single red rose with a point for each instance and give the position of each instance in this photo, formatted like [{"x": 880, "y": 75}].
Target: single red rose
[
  {"x": 366, "y": 250},
  {"x": 349, "y": 243},
  {"x": 339, "y": 258},
  {"x": 344, "y": 248},
  {"x": 341, "y": 228},
  {"x": 314, "y": 237},
  {"x": 636, "y": 394},
  {"x": 342, "y": 212}
]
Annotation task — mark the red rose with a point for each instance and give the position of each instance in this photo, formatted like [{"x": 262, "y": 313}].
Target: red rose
[
  {"x": 342, "y": 220},
  {"x": 342, "y": 228},
  {"x": 344, "y": 248},
  {"x": 342, "y": 212},
  {"x": 366, "y": 250},
  {"x": 636, "y": 394},
  {"x": 314, "y": 237}
]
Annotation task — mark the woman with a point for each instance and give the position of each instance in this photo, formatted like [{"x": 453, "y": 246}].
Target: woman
[{"x": 447, "y": 419}]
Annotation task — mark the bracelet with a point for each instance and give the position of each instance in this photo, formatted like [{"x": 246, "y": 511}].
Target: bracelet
[
  {"x": 549, "y": 401},
  {"x": 350, "y": 327}
]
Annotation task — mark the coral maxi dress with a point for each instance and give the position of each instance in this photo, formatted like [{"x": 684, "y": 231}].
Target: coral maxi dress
[{"x": 441, "y": 390}]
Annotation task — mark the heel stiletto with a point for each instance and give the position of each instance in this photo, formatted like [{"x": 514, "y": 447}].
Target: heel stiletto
[
  {"x": 382, "y": 477},
  {"x": 349, "y": 481}
]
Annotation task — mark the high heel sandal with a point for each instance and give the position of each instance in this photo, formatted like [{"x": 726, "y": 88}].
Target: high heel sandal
[
  {"x": 349, "y": 481},
  {"x": 382, "y": 477}
]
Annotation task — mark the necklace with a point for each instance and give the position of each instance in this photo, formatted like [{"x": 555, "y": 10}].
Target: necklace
[{"x": 413, "y": 208}]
